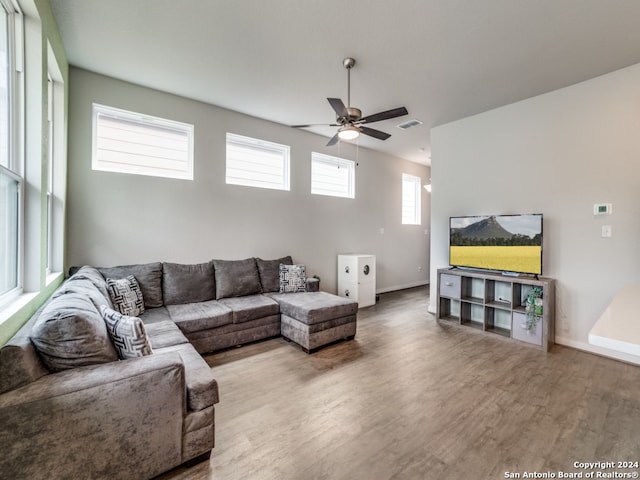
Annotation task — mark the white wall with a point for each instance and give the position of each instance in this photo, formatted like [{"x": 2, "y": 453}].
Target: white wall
[
  {"x": 116, "y": 218},
  {"x": 555, "y": 154}
]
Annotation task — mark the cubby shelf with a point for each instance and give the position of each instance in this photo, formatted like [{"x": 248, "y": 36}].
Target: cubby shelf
[{"x": 496, "y": 303}]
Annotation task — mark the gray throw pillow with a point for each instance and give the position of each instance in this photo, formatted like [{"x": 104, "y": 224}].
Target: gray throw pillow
[
  {"x": 126, "y": 295},
  {"x": 127, "y": 333},
  {"x": 188, "y": 283},
  {"x": 293, "y": 278},
  {"x": 148, "y": 275},
  {"x": 236, "y": 278},
  {"x": 70, "y": 333},
  {"x": 269, "y": 271}
]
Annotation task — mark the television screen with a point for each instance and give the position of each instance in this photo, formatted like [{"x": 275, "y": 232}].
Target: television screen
[{"x": 510, "y": 243}]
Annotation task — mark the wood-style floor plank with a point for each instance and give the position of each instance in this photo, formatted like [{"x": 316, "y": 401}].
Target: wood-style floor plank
[{"x": 413, "y": 398}]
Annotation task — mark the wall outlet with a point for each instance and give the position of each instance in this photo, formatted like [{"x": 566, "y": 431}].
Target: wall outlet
[
  {"x": 606, "y": 231},
  {"x": 381, "y": 230}
]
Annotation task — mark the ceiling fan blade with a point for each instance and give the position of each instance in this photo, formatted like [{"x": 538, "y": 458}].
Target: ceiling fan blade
[
  {"x": 316, "y": 125},
  {"x": 376, "y": 117},
  {"x": 333, "y": 140},
  {"x": 374, "y": 133},
  {"x": 338, "y": 106}
]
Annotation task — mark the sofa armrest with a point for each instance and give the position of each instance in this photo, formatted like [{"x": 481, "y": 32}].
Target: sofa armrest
[
  {"x": 105, "y": 420},
  {"x": 313, "y": 284}
]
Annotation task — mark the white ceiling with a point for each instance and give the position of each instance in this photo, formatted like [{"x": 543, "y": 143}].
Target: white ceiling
[{"x": 280, "y": 59}]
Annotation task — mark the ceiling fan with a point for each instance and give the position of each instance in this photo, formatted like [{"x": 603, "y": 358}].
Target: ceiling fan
[{"x": 350, "y": 119}]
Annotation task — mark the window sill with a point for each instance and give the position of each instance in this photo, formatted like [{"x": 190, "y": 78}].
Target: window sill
[
  {"x": 14, "y": 307},
  {"x": 52, "y": 277}
]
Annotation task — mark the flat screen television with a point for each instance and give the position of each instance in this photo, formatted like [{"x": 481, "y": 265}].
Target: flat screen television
[{"x": 508, "y": 243}]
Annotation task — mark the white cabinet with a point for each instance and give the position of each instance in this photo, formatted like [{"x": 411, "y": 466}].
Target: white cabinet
[{"x": 357, "y": 278}]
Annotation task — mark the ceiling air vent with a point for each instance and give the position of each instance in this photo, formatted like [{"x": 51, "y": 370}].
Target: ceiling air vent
[{"x": 409, "y": 124}]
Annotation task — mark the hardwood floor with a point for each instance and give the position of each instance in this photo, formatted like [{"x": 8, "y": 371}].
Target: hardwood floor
[{"x": 412, "y": 398}]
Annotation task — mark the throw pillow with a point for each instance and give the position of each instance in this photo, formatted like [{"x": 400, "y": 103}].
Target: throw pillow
[
  {"x": 269, "y": 271},
  {"x": 293, "y": 278},
  {"x": 126, "y": 295},
  {"x": 127, "y": 333}
]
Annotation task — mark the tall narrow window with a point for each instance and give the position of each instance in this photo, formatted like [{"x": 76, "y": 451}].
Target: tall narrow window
[
  {"x": 50, "y": 146},
  {"x": 257, "y": 163},
  {"x": 10, "y": 186},
  {"x": 10, "y": 169},
  {"x": 129, "y": 142},
  {"x": 410, "y": 199},
  {"x": 5, "y": 88},
  {"x": 332, "y": 176}
]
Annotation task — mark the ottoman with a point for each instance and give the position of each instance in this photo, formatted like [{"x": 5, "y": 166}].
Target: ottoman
[{"x": 315, "y": 319}]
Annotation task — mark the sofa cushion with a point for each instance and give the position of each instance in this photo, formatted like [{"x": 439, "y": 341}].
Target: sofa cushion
[
  {"x": 126, "y": 295},
  {"x": 314, "y": 307},
  {"x": 188, "y": 283},
  {"x": 164, "y": 334},
  {"x": 236, "y": 278},
  {"x": 148, "y": 275},
  {"x": 127, "y": 333},
  {"x": 83, "y": 286},
  {"x": 193, "y": 317},
  {"x": 293, "y": 278},
  {"x": 269, "y": 271},
  {"x": 202, "y": 388},
  {"x": 154, "y": 315},
  {"x": 19, "y": 361},
  {"x": 92, "y": 275},
  {"x": 251, "y": 307},
  {"x": 70, "y": 333}
]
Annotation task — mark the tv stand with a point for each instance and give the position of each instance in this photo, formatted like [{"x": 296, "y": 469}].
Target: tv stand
[{"x": 497, "y": 304}]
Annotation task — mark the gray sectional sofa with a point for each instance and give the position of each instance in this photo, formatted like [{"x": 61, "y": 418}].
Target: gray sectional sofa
[{"x": 70, "y": 409}]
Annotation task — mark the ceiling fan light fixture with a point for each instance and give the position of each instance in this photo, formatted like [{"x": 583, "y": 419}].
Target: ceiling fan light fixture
[{"x": 348, "y": 132}]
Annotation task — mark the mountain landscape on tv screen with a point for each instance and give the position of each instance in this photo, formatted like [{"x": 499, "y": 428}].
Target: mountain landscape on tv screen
[{"x": 489, "y": 232}]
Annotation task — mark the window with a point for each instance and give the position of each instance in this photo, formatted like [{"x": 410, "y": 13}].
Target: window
[
  {"x": 128, "y": 142},
  {"x": 257, "y": 163},
  {"x": 332, "y": 176},
  {"x": 11, "y": 180},
  {"x": 10, "y": 189},
  {"x": 410, "y": 199},
  {"x": 5, "y": 87},
  {"x": 55, "y": 186},
  {"x": 50, "y": 172}
]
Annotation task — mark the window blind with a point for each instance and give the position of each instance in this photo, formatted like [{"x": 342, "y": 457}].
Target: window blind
[{"x": 128, "y": 142}]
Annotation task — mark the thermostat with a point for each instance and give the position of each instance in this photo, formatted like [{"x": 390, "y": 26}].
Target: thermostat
[{"x": 602, "y": 209}]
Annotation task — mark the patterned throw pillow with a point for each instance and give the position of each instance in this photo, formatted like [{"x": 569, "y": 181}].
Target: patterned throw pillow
[
  {"x": 127, "y": 333},
  {"x": 126, "y": 295},
  {"x": 293, "y": 278}
]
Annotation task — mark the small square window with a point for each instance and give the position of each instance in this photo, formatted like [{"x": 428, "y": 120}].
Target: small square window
[
  {"x": 257, "y": 163},
  {"x": 332, "y": 176}
]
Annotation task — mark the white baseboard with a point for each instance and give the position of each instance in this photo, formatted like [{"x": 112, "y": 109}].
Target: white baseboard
[
  {"x": 402, "y": 287},
  {"x": 605, "y": 352}
]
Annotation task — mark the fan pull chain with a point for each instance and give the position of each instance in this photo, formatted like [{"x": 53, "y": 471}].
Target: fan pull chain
[{"x": 348, "y": 87}]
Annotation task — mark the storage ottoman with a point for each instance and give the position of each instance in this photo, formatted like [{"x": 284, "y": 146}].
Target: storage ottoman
[{"x": 315, "y": 319}]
